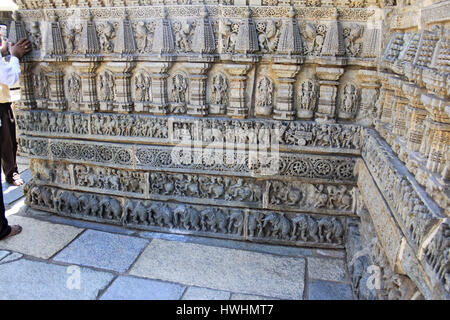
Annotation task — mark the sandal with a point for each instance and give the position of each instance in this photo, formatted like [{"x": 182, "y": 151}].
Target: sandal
[
  {"x": 16, "y": 180},
  {"x": 16, "y": 229}
]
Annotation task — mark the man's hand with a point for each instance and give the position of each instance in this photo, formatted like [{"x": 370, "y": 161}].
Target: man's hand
[{"x": 22, "y": 47}]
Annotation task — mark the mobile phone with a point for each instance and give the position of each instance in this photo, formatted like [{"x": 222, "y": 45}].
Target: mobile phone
[
  {"x": 3, "y": 36},
  {"x": 3, "y": 32}
]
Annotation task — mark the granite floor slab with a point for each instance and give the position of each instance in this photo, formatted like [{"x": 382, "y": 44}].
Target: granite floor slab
[
  {"x": 240, "y": 296},
  {"x": 39, "y": 238},
  {"x": 326, "y": 290},
  {"x": 131, "y": 288},
  {"x": 195, "y": 293},
  {"x": 103, "y": 250},
  {"x": 222, "y": 269},
  {"x": 33, "y": 280}
]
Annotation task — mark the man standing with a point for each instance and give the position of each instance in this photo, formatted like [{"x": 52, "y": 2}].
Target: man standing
[
  {"x": 8, "y": 131},
  {"x": 9, "y": 75}
]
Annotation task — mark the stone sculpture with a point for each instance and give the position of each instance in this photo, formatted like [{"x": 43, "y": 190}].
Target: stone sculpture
[{"x": 312, "y": 123}]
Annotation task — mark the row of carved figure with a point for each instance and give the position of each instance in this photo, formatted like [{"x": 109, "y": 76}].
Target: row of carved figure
[
  {"x": 30, "y": 4},
  {"x": 416, "y": 219},
  {"x": 306, "y": 99},
  {"x": 399, "y": 192},
  {"x": 303, "y": 228},
  {"x": 187, "y": 35},
  {"x": 229, "y": 132},
  {"x": 299, "y": 195},
  {"x": 413, "y": 116}
]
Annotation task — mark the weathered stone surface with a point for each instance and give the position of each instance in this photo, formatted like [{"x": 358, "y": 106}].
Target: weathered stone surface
[
  {"x": 327, "y": 269},
  {"x": 240, "y": 296},
  {"x": 241, "y": 271},
  {"x": 326, "y": 290},
  {"x": 3, "y": 253},
  {"x": 195, "y": 293},
  {"x": 12, "y": 257},
  {"x": 103, "y": 250},
  {"x": 130, "y": 288},
  {"x": 49, "y": 282},
  {"x": 124, "y": 102},
  {"x": 38, "y": 238}
]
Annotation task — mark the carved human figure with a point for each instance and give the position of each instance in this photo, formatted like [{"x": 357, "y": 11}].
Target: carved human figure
[
  {"x": 73, "y": 38},
  {"x": 106, "y": 33},
  {"x": 268, "y": 35},
  {"x": 319, "y": 196},
  {"x": 178, "y": 94},
  {"x": 182, "y": 32},
  {"x": 41, "y": 84},
  {"x": 35, "y": 35},
  {"x": 315, "y": 36},
  {"x": 264, "y": 97},
  {"x": 307, "y": 99},
  {"x": 228, "y": 33},
  {"x": 351, "y": 35},
  {"x": 349, "y": 102},
  {"x": 107, "y": 86},
  {"x": 143, "y": 87},
  {"x": 74, "y": 86},
  {"x": 143, "y": 36},
  {"x": 219, "y": 89}
]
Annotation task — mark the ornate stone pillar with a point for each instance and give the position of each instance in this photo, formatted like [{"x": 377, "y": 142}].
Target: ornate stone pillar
[
  {"x": 284, "y": 101},
  {"x": 27, "y": 100},
  {"x": 440, "y": 125},
  {"x": 399, "y": 104},
  {"x": 415, "y": 125},
  {"x": 328, "y": 82},
  {"x": 89, "y": 100},
  {"x": 287, "y": 65},
  {"x": 56, "y": 96},
  {"x": 237, "y": 107},
  {"x": 122, "y": 75},
  {"x": 330, "y": 68},
  {"x": 197, "y": 88},
  {"x": 439, "y": 148},
  {"x": 386, "y": 112},
  {"x": 427, "y": 137},
  {"x": 159, "y": 75}
]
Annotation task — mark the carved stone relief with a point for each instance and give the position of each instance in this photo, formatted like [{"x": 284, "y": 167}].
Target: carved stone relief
[{"x": 248, "y": 116}]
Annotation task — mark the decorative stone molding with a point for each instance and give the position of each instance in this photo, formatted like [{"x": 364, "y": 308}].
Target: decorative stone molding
[
  {"x": 248, "y": 116},
  {"x": 243, "y": 224}
]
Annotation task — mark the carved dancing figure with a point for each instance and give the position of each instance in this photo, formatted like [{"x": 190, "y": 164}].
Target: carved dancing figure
[
  {"x": 106, "y": 33},
  {"x": 315, "y": 38},
  {"x": 182, "y": 33}
]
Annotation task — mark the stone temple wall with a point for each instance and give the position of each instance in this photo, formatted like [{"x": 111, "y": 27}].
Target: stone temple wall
[{"x": 306, "y": 123}]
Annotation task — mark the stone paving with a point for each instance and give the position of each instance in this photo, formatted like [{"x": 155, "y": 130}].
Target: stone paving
[{"x": 60, "y": 258}]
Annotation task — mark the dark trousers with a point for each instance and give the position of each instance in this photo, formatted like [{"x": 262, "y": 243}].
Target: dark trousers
[
  {"x": 5, "y": 229},
  {"x": 8, "y": 141}
]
